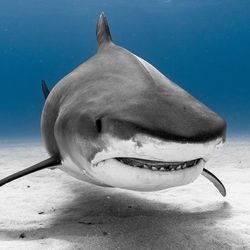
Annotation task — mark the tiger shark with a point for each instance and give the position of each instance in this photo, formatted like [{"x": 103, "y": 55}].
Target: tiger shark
[{"x": 116, "y": 121}]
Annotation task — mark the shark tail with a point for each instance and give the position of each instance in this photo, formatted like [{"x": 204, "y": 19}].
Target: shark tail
[
  {"x": 50, "y": 162},
  {"x": 217, "y": 183}
]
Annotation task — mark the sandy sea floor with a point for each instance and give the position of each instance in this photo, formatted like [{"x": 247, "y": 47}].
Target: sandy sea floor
[{"x": 51, "y": 210}]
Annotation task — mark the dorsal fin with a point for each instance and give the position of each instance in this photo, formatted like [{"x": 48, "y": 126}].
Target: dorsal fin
[
  {"x": 102, "y": 32},
  {"x": 45, "y": 89}
]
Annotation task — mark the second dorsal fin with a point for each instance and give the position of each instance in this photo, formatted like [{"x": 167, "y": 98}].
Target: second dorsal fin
[{"x": 102, "y": 32}]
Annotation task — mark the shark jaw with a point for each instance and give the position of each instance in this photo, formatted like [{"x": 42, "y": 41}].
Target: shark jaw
[
  {"x": 144, "y": 163},
  {"x": 150, "y": 176}
]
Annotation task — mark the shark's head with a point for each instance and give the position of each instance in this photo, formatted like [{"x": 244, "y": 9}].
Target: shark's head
[{"x": 122, "y": 123}]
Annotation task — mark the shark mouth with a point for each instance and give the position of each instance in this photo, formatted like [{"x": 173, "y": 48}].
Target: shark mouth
[
  {"x": 146, "y": 175},
  {"x": 158, "y": 165},
  {"x": 155, "y": 166}
]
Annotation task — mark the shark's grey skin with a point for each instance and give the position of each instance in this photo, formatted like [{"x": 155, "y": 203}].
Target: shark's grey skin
[
  {"x": 128, "y": 96},
  {"x": 118, "y": 95}
]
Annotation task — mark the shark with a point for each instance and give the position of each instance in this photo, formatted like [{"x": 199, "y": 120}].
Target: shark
[{"x": 116, "y": 121}]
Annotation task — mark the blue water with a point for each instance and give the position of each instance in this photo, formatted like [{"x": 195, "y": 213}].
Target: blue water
[{"x": 204, "y": 46}]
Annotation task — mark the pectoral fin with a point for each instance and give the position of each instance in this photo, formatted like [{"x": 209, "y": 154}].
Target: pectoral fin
[
  {"x": 45, "y": 89},
  {"x": 217, "y": 183},
  {"x": 50, "y": 162}
]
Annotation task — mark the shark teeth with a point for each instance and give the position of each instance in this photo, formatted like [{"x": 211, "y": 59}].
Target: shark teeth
[{"x": 158, "y": 165}]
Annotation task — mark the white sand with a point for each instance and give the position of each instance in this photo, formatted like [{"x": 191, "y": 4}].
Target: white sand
[{"x": 51, "y": 210}]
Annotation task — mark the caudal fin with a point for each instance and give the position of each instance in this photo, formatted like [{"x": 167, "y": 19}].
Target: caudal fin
[
  {"x": 217, "y": 183},
  {"x": 50, "y": 162}
]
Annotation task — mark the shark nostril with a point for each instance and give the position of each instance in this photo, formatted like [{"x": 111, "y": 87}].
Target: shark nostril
[{"x": 99, "y": 125}]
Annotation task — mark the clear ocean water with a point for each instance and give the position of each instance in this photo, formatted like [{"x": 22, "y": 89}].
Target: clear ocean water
[{"x": 204, "y": 46}]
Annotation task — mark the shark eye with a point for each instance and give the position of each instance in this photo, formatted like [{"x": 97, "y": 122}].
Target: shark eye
[{"x": 98, "y": 123}]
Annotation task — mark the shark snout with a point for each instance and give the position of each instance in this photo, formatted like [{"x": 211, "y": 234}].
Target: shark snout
[
  {"x": 195, "y": 131},
  {"x": 183, "y": 123}
]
